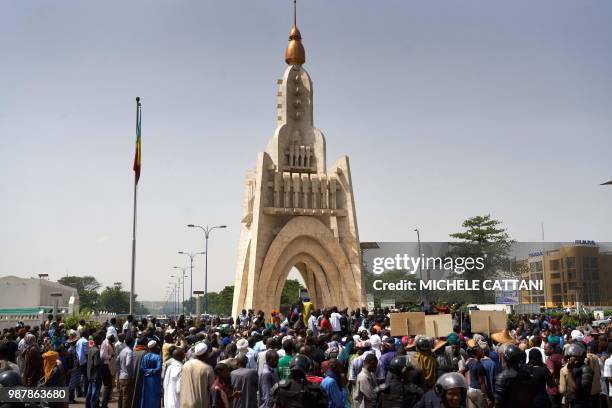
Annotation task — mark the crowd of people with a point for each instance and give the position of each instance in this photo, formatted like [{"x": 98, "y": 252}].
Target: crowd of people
[{"x": 312, "y": 358}]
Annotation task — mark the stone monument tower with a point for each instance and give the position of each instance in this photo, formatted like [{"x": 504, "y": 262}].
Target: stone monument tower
[{"x": 297, "y": 212}]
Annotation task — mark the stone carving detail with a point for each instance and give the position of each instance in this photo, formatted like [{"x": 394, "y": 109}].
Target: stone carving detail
[
  {"x": 306, "y": 198},
  {"x": 324, "y": 191},
  {"x": 300, "y": 157},
  {"x": 305, "y": 190},
  {"x": 296, "y": 190},
  {"x": 278, "y": 186},
  {"x": 316, "y": 196},
  {"x": 287, "y": 189}
]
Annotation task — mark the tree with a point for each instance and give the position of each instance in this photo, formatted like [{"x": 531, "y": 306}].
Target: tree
[
  {"x": 290, "y": 294},
  {"x": 114, "y": 299},
  {"x": 87, "y": 287},
  {"x": 483, "y": 237},
  {"x": 219, "y": 303},
  {"x": 402, "y": 298}
]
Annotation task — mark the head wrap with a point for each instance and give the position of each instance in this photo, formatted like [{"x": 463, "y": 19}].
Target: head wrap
[
  {"x": 49, "y": 363},
  {"x": 577, "y": 335},
  {"x": 452, "y": 338},
  {"x": 242, "y": 344},
  {"x": 375, "y": 341},
  {"x": 29, "y": 340}
]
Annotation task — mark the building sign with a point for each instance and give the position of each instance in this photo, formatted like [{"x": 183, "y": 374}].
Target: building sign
[
  {"x": 584, "y": 242},
  {"x": 303, "y": 294},
  {"x": 390, "y": 303},
  {"x": 507, "y": 297}
]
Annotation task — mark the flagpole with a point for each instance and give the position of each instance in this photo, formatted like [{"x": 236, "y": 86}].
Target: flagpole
[{"x": 132, "y": 285}]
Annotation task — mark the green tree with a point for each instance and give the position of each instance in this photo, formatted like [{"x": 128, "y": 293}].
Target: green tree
[
  {"x": 482, "y": 237},
  {"x": 219, "y": 303},
  {"x": 87, "y": 288},
  {"x": 407, "y": 298},
  {"x": 289, "y": 295},
  {"x": 114, "y": 299}
]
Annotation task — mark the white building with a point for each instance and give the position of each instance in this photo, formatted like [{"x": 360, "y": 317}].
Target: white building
[{"x": 35, "y": 293}]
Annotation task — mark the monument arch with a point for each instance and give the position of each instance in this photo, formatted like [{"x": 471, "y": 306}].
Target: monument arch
[{"x": 296, "y": 211}]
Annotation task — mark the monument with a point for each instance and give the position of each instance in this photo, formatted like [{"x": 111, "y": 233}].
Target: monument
[{"x": 296, "y": 211}]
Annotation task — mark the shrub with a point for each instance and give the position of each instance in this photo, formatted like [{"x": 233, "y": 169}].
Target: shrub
[{"x": 570, "y": 320}]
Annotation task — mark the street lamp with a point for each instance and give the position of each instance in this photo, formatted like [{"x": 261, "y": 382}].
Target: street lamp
[
  {"x": 171, "y": 298},
  {"x": 182, "y": 268},
  {"x": 207, "y": 231},
  {"x": 177, "y": 287},
  {"x": 419, "y": 255},
  {"x": 191, "y": 255}
]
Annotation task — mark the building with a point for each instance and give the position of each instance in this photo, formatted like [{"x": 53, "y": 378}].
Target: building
[
  {"x": 18, "y": 293},
  {"x": 573, "y": 274},
  {"x": 532, "y": 269},
  {"x": 297, "y": 211}
]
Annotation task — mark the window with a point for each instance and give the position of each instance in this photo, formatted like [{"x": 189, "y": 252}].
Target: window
[
  {"x": 555, "y": 265},
  {"x": 555, "y": 275},
  {"x": 595, "y": 275},
  {"x": 572, "y": 285},
  {"x": 557, "y": 298},
  {"x": 594, "y": 262},
  {"x": 586, "y": 262},
  {"x": 556, "y": 288},
  {"x": 535, "y": 266},
  {"x": 571, "y": 275},
  {"x": 570, "y": 262}
]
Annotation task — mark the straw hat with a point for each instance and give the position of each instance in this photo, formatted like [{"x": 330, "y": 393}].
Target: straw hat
[
  {"x": 502, "y": 337},
  {"x": 439, "y": 344}
]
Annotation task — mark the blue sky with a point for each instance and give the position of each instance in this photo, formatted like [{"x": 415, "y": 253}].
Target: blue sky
[{"x": 446, "y": 110}]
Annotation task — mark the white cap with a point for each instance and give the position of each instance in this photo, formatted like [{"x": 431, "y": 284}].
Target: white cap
[
  {"x": 151, "y": 344},
  {"x": 200, "y": 348},
  {"x": 242, "y": 344}
]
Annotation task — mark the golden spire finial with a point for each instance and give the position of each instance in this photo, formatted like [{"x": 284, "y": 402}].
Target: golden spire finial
[{"x": 295, "y": 54}]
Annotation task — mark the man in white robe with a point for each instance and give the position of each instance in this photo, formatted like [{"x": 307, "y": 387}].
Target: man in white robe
[
  {"x": 196, "y": 379},
  {"x": 172, "y": 380}
]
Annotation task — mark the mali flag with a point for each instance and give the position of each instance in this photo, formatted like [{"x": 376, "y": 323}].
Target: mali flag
[{"x": 138, "y": 154}]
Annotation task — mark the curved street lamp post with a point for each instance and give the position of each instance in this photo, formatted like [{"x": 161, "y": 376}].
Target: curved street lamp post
[
  {"x": 207, "y": 231},
  {"x": 191, "y": 255}
]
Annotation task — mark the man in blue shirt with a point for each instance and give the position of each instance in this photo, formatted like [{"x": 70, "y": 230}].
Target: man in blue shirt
[
  {"x": 332, "y": 385},
  {"x": 267, "y": 379},
  {"x": 82, "y": 348}
]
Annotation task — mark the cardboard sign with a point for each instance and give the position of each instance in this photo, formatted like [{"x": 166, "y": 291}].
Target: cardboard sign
[
  {"x": 416, "y": 323},
  {"x": 407, "y": 323},
  {"x": 488, "y": 321},
  {"x": 398, "y": 324},
  {"x": 438, "y": 325}
]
